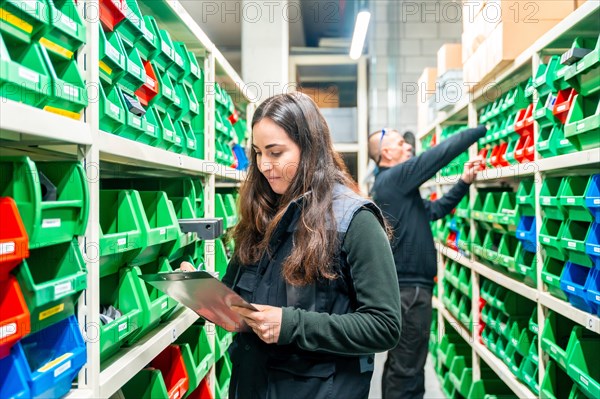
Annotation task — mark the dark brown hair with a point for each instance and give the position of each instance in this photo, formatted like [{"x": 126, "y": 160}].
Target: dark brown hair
[{"x": 320, "y": 168}]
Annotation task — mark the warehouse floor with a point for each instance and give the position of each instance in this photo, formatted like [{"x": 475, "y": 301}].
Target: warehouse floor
[{"x": 433, "y": 389}]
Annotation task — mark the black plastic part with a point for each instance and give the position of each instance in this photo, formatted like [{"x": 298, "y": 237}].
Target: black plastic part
[
  {"x": 207, "y": 229},
  {"x": 574, "y": 55},
  {"x": 49, "y": 192}
]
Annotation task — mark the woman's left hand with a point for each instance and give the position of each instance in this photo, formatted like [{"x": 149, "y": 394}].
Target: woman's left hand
[{"x": 266, "y": 322}]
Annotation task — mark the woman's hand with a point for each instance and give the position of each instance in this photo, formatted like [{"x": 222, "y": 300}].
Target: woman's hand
[
  {"x": 187, "y": 267},
  {"x": 266, "y": 322}
]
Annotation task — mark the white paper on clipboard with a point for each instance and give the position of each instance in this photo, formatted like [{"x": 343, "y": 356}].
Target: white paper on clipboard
[{"x": 204, "y": 294}]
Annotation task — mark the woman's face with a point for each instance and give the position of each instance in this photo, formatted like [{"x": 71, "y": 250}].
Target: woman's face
[{"x": 277, "y": 156}]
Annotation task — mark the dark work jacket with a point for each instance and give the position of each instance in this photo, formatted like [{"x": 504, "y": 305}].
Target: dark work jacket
[
  {"x": 396, "y": 192},
  {"x": 268, "y": 371}
]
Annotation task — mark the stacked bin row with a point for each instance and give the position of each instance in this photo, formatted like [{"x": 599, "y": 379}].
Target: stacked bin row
[
  {"x": 152, "y": 89},
  {"x": 43, "y": 207},
  {"x": 38, "y": 45},
  {"x": 457, "y": 294},
  {"x": 573, "y": 366},
  {"x": 455, "y": 167},
  {"x": 504, "y": 234},
  {"x": 509, "y": 139},
  {"x": 140, "y": 234},
  {"x": 428, "y": 142},
  {"x": 570, "y": 239},
  {"x": 454, "y": 367},
  {"x": 509, "y": 331}
]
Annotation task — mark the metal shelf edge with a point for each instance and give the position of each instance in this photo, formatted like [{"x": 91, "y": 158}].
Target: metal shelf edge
[
  {"x": 136, "y": 357},
  {"x": 21, "y": 119},
  {"x": 581, "y": 158},
  {"x": 511, "y": 171},
  {"x": 588, "y": 320}
]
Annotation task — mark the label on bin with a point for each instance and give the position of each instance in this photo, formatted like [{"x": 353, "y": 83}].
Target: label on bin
[
  {"x": 177, "y": 140},
  {"x": 545, "y": 201},
  {"x": 597, "y": 201},
  {"x": 597, "y": 249},
  {"x": 60, "y": 289},
  {"x": 571, "y": 288},
  {"x": 62, "y": 369},
  {"x": 581, "y": 126},
  {"x": 579, "y": 67},
  {"x": 150, "y": 82},
  {"x": 114, "y": 109},
  {"x": 164, "y": 305},
  {"x": 122, "y": 326},
  {"x": 50, "y": 223},
  {"x": 553, "y": 349},
  {"x": 71, "y": 91},
  {"x": 561, "y": 108},
  {"x": 52, "y": 311},
  {"x": 56, "y": 361},
  {"x": 583, "y": 380},
  {"x": 112, "y": 52},
  {"x": 598, "y": 298},
  {"x": 168, "y": 133},
  {"x": 121, "y": 241},
  {"x": 150, "y": 128},
  {"x": 194, "y": 69},
  {"x": 570, "y": 200},
  {"x": 571, "y": 244},
  {"x": 178, "y": 59},
  {"x": 190, "y": 143},
  {"x": 149, "y": 35},
  {"x": 7, "y": 248},
  {"x": 135, "y": 69},
  {"x": 7, "y": 330},
  {"x": 546, "y": 239},
  {"x": 176, "y": 395},
  {"x": 68, "y": 22},
  {"x": 564, "y": 142},
  {"x": 163, "y": 232},
  {"x": 167, "y": 91},
  {"x": 177, "y": 101},
  {"x": 165, "y": 48},
  {"x": 29, "y": 75},
  {"x": 136, "y": 121}
]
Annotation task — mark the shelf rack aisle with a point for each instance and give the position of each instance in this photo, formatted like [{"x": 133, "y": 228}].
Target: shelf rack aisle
[
  {"x": 46, "y": 136},
  {"x": 498, "y": 249}
]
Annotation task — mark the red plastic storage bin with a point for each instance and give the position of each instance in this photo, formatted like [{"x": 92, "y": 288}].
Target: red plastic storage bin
[
  {"x": 14, "y": 244},
  {"x": 14, "y": 315},
  {"x": 170, "y": 363},
  {"x": 524, "y": 152},
  {"x": 524, "y": 121},
  {"x": 111, "y": 13},
  {"x": 149, "y": 89},
  {"x": 498, "y": 155},
  {"x": 562, "y": 106},
  {"x": 202, "y": 392}
]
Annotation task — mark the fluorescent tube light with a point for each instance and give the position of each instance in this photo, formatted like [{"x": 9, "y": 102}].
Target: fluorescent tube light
[{"x": 359, "y": 35}]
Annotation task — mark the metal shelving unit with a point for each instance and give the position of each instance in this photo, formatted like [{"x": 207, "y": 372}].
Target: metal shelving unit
[
  {"x": 525, "y": 65},
  {"x": 41, "y": 134}
]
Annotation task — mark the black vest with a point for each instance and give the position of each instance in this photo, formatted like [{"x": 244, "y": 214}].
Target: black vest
[{"x": 271, "y": 371}]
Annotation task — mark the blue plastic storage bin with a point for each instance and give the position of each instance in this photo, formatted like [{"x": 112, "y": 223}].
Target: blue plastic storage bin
[
  {"x": 592, "y": 244},
  {"x": 14, "y": 374},
  {"x": 526, "y": 233},
  {"x": 592, "y": 288},
  {"x": 54, "y": 357},
  {"x": 572, "y": 282},
  {"x": 592, "y": 197}
]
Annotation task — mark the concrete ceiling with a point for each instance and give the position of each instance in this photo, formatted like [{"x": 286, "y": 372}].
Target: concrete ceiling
[{"x": 317, "y": 20}]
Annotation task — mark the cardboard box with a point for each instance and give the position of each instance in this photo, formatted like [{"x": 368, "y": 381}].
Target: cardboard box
[
  {"x": 579, "y": 3},
  {"x": 328, "y": 97},
  {"x": 449, "y": 56},
  {"x": 426, "y": 84}
]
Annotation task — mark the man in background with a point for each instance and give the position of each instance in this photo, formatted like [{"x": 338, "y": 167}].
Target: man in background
[{"x": 396, "y": 192}]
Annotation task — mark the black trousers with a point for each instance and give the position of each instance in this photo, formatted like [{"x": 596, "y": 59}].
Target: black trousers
[{"x": 404, "y": 370}]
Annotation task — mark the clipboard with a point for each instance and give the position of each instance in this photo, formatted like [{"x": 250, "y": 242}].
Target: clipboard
[{"x": 201, "y": 292}]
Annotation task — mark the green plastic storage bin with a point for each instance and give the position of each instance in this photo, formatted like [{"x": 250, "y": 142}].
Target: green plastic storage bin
[
  {"x": 169, "y": 136},
  {"x": 584, "y": 76},
  {"x": 560, "y": 143},
  {"x": 550, "y": 237},
  {"x": 198, "y": 355},
  {"x": 152, "y": 130},
  {"x": 572, "y": 198},
  {"x": 166, "y": 56},
  {"x": 556, "y": 383},
  {"x": 119, "y": 290},
  {"x": 223, "y": 375},
  {"x": 583, "y": 122},
  {"x": 529, "y": 374},
  {"x": 53, "y": 221},
  {"x": 491, "y": 244},
  {"x": 159, "y": 222},
  {"x": 507, "y": 252},
  {"x": 221, "y": 258},
  {"x": 112, "y": 109},
  {"x": 148, "y": 42},
  {"x": 573, "y": 242},
  {"x": 25, "y": 76},
  {"x": 461, "y": 375},
  {"x": 555, "y": 337},
  {"x": 131, "y": 27},
  {"x": 113, "y": 59},
  {"x": 525, "y": 263},
  {"x": 493, "y": 388},
  {"x": 24, "y": 20},
  {"x": 166, "y": 93},
  {"x": 154, "y": 304},
  {"x": 177, "y": 69},
  {"x": 51, "y": 280},
  {"x": 121, "y": 235},
  {"x": 550, "y": 195},
  {"x": 146, "y": 384},
  {"x": 135, "y": 73},
  {"x": 544, "y": 145},
  {"x": 551, "y": 273},
  {"x": 223, "y": 339},
  {"x": 66, "y": 32},
  {"x": 543, "y": 81},
  {"x": 583, "y": 366}
]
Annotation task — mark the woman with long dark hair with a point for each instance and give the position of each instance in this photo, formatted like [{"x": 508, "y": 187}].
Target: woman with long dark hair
[{"x": 313, "y": 256}]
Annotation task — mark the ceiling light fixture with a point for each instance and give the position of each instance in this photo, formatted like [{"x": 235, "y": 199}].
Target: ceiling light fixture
[{"x": 359, "y": 35}]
